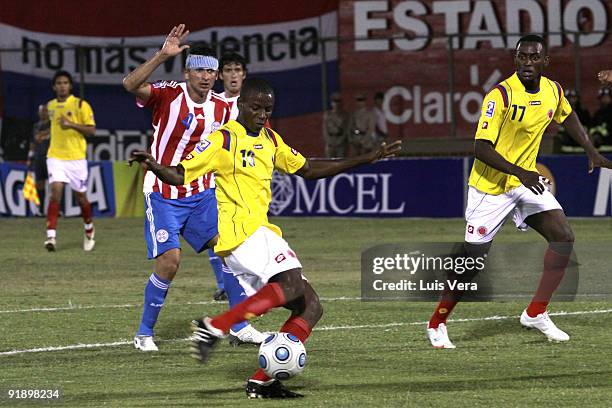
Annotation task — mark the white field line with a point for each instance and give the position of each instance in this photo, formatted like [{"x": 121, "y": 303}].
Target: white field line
[
  {"x": 131, "y": 305},
  {"x": 324, "y": 328}
]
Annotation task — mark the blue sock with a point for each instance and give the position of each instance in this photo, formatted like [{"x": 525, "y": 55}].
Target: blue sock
[
  {"x": 154, "y": 295},
  {"x": 235, "y": 294},
  {"x": 217, "y": 266}
]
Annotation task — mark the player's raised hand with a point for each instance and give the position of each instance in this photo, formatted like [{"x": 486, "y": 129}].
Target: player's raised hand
[
  {"x": 597, "y": 160},
  {"x": 172, "y": 46},
  {"x": 605, "y": 77},
  {"x": 386, "y": 150}
]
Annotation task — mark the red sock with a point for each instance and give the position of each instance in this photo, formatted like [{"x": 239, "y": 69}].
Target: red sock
[
  {"x": 294, "y": 325},
  {"x": 297, "y": 326},
  {"x": 86, "y": 212},
  {"x": 444, "y": 308},
  {"x": 52, "y": 213},
  {"x": 554, "y": 269},
  {"x": 268, "y": 297}
]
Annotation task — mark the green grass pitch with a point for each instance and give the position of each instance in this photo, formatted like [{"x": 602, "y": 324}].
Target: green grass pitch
[{"x": 361, "y": 354}]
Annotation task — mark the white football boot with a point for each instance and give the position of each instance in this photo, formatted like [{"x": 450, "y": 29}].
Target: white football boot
[
  {"x": 88, "y": 241},
  {"x": 247, "y": 334},
  {"x": 543, "y": 323},
  {"x": 50, "y": 244},
  {"x": 145, "y": 343},
  {"x": 439, "y": 337}
]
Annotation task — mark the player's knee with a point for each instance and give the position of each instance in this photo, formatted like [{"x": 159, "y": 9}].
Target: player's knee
[
  {"x": 167, "y": 265},
  {"x": 568, "y": 236}
]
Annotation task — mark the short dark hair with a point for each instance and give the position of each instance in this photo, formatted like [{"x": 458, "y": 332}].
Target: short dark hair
[
  {"x": 201, "y": 48},
  {"x": 532, "y": 38},
  {"x": 62, "y": 73},
  {"x": 254, "y": 86},
  {"x": 232, "y": 57}
]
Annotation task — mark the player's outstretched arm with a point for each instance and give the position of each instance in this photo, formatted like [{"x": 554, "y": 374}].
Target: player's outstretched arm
[
  {"x": 318, "y": 169},
  {"x": 173, "y": 175},
  {"x": 576, "y": 131},
  {"x": 605, "y": 77},
  {"x": 484, "y": 151},
  {"x": 136, "y": 81}
]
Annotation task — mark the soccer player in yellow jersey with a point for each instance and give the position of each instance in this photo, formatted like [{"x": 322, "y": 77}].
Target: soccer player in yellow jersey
[
  {"x": 71, "y": 120},
  {"x": 243, "y": 154},
  {"x": 504, "y": 183}
]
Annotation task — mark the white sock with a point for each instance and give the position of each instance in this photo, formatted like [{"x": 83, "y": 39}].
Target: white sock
[{"x": 50, "y": 233}]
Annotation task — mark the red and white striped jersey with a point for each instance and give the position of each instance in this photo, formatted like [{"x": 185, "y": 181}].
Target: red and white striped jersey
[
  {"x": 233, "y": 104},
  {"x": 179, "y": 125}
]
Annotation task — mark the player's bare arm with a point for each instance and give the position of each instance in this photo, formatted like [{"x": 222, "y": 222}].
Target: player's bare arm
[
  {"x": 577, "y": 132},
  {"x": 86, "y": 130},
  {"x": 136, "y": 81},
  {"x": 485, "y": 152},
  {"x": 173, "y": 175},
  {"x": 605, "y": 77},
  {"x": 313, "y": 169}
]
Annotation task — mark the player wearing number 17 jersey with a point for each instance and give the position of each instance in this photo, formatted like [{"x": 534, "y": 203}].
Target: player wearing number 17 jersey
[{"x": 504, "y": 183}]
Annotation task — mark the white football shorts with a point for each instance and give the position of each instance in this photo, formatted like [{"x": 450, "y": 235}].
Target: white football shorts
[
  {"x": 73, "y": 172},
  {"x": 260, "y": 257},
  {"x": 485, "y": 213}
]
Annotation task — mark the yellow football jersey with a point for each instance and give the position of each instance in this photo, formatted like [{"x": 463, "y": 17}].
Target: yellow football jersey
[
  {"x": 514, "y": 120},
  {"x": 243, "y": 164},
  {"x": 68, "y": 144}
]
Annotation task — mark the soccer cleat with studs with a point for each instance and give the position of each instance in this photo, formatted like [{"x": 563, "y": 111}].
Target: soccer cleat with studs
[
  {"x": 204, "y": 338},
  {"x": 247, "y": 335},
  {"x": 439, "y": 337},
  {"x": 272, "y": 389},
  {"x": 89, "y": 241},
  {"x": 220, "y": 295},
  {"x": 543, "y": 323},
  {"x": 50, "y": 244},
  {"x": 145, "y": 343}
]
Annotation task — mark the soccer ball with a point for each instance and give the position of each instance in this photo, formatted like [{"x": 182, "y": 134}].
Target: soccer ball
[{"x": 282, "y": 355}]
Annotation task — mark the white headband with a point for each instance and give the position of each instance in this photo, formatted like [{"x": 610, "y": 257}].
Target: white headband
[{"x": 202, "y": 61}]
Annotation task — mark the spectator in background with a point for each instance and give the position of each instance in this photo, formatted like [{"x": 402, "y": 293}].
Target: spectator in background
[
  {"x": 71, "y": 120},
  {"x": 37, "y": 156},
  {"x": 335, "y": 128},
  {"x": 601, "y": 128},
  {"x": 362, "y": 127},
  {"x": 605, "y": 77},
  {"x": 583, "y": 115},
  {"x": 381, "y": 121}
]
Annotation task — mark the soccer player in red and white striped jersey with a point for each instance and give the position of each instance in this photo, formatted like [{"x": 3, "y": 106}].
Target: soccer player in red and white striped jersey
[
  {"x": 184, "y": 114},
  {"x": 180, "y": 123},
  {"x": 233, "y": 72}
]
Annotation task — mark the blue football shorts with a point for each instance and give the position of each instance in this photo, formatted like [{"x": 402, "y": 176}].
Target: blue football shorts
[{"x": 195, "y": 218}]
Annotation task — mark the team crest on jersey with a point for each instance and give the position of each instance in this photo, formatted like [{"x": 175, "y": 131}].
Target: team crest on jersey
[
  {"x": 257, "y": 146},
  {"x": 202, "y": 146},
  {"x": 214, "y": 126},
  {"x": 485, "y": 125},
  {"x": 482, "y": 231},
  {"x": 550, "y": 113},
  {"x": 161, "y": 235},
  {"x": 490, "y": 109},
  {"x": 535, "y": 103}
]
